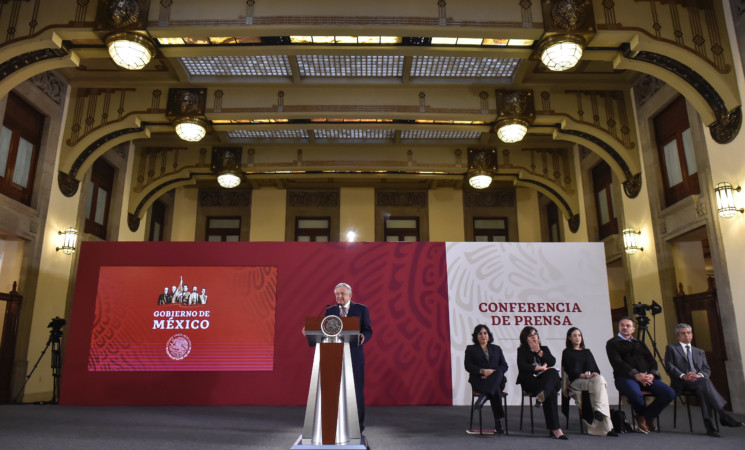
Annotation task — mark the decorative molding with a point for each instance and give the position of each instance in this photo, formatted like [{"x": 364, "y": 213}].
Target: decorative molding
[
  {"x": 728, "y": 123},
  {"x": 225, "y": 197},
  {"x": 50, "y": 84},
  {"x": 99, "y": 142},
  {"x": 133, "y": 222},
  {"x": 314, "y": 198},
  {"x": 489, "y": 198},
  {"x": 401, "y": 198},
  {"x": 22, "y": 61},
  {"x": 632, "y": 186},
  {"x": 68, "y": 185},
  {"x": 645, "y": 88}
]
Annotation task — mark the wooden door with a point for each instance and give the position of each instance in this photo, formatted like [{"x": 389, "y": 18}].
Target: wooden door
[{"x": 701, "y": 311}]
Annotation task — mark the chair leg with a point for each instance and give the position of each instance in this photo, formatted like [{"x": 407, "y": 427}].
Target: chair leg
[
  {"x": 688, "y": 408},
  {"x": 470, "y": 422},
  {"x": 481, "y": 426},
  {"x": 531, "y": 414},
  {"x": 506, "y": 428},
  {"x": 581, "y": 425},
  {"x": 522, "y": 404},
  {"x": 675, "y": 412}
]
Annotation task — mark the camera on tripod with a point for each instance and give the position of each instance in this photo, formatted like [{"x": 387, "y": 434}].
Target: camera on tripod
[
  {"x": 640, "y": 311},
  {"x": 56, "y": 325}
]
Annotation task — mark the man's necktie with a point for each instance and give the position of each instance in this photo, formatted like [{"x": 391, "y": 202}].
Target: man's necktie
[
  {"x": 342, "y": 311},
  {"x": 690, "y": 360}
]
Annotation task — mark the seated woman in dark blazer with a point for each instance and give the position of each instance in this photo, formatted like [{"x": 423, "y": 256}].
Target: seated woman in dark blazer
[
  {"x": 539, "y": 378},
  {"x": 486, "y": 366}
]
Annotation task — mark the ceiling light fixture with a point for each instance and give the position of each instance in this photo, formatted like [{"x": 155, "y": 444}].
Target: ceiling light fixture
[
  {"x": 515, "y": 113},
  {"x": 512, "y": 130},
  {"x": 226, "y": 163},
  {"x": 228, "y": 179},
  {"x": 191, "y": 129},
  {"x": 129, "y": 50},
  {"x": 562, "y": 52},
  {"x": 482, "y": 165}
]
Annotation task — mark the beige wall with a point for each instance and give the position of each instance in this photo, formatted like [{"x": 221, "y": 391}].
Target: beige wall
[
  {"x": 357, "y": 212},
  {"x": 184, "y": 214},
  {"x": 268, "y": 212},
  {"x": 124, "y": 232},
  {"x": 445, "y": 215},
  {"x": 528, "y": 215}
]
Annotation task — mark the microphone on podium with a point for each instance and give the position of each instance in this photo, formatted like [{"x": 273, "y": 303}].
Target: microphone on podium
[{"x": 323, "y": 311}]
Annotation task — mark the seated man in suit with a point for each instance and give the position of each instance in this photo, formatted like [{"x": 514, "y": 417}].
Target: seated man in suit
[
  {"x": 634, "y": 370},
  {"x": 689, "y": 369},
  {"x": 346, "y": 308}
]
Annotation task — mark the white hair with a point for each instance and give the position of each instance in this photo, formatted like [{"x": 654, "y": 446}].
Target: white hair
[{"x": 344, "y": 285}]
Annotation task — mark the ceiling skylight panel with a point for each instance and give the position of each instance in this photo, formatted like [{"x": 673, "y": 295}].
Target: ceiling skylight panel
[
  {"x": 350, "y": 65},
  {"x": 353, "y": 134},
  {"x": 463, "y": 67},
  {"x": 233, "y": 66},
  {"x": 439, "y": 134},
  {"x": 268, "y": 134}
]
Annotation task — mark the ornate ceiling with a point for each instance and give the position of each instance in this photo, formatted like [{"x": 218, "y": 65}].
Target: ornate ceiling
[{"x": 366, "y": 92}]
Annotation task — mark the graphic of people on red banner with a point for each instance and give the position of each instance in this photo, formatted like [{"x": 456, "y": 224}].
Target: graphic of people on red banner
[{"x": 180, "y": 294}]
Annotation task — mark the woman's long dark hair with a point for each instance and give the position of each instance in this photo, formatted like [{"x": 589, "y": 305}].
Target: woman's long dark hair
[
  {"x": 524, "y": 336},
  {"x": 477, "y": 330},
  {"x": 569, "y": 341}
]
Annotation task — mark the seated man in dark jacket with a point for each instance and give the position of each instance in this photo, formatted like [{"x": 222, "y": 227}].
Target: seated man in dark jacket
[{"x": 635, "y": 370}]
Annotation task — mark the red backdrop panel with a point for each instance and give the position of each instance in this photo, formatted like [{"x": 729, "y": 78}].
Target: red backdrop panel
[
  {"x": 233, "y": 330},
  {"x": 403, "y": 284}
]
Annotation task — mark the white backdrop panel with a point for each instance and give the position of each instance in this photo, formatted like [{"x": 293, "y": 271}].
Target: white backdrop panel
[{"x": 506, "y": 286}]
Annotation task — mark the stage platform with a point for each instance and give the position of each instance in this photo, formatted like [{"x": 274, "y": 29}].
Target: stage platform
[{"x": 276, "y": 427}]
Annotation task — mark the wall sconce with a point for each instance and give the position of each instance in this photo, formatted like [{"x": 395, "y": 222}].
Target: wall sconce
[
  {"x": 515, "y": 112},
  {"x": 632, "y": 241},
  {"x": 482, "y": 165},
  {"x": 67, "y": 239},
  {"x": 569, "y": 25},
  {"x": 726, "y": 200},
  {"x": 123, "y": 23},
  {"x": 185, "y": 110},
  {"x": 226, "y": 163},
  {"x": 351, "y": 235}
]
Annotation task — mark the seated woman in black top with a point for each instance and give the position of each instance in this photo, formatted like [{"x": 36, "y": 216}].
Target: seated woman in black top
[
  {"x": 583, "y": 375},
  {"x": 486, "y": 366},
  {"x": 539, "y": 378}
]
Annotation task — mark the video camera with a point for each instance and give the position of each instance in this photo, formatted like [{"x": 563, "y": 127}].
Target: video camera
[
  {"x": 641, "y": 309},
  {"x": 57, "y": 323}
]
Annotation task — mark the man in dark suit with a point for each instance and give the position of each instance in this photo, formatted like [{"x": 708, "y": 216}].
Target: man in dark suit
[
  {"x": 635, "y": 370},
  {"x": 345, "y": 308},
  {"x": 164, "y": 297},
  {"x": 689, "y": 369}
]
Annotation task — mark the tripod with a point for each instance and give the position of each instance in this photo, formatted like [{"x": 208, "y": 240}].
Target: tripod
[
  {"x": 643, "y": 322},
  {"x": 55, "y": 336}
]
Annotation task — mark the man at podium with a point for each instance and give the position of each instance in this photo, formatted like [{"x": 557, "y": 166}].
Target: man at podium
[{"x": 346, "y": 308}]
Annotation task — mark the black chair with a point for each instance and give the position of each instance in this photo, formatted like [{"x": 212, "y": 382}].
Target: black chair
[
  {"x": 567, "y": 396},
  {"x": 474, "y": 396},
  {"x": 522, "y": 404},
  {"x": 685, "y": 398},
  {"x": 646, "y": 395}
]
